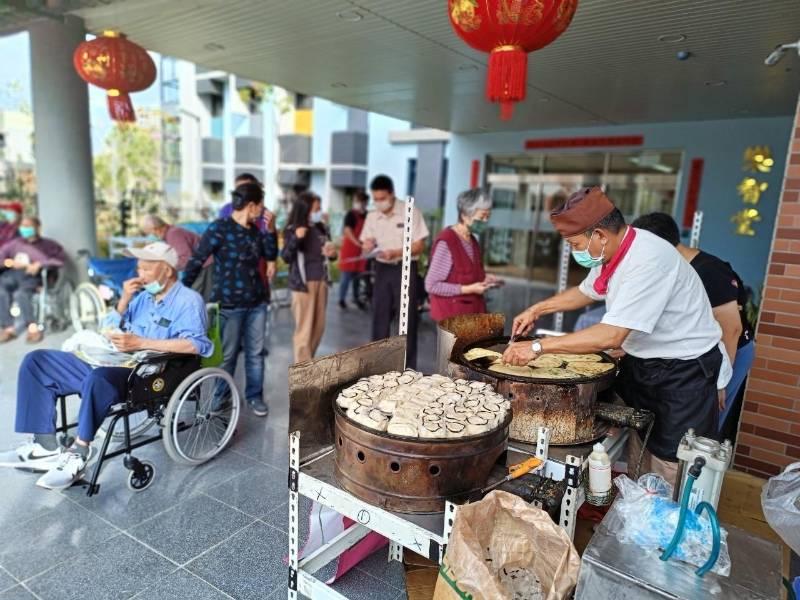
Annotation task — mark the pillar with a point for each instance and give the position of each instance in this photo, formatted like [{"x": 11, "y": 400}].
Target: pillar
[
  {"x": 61, "y": 137},
  {"x": 769, "y": 430}
]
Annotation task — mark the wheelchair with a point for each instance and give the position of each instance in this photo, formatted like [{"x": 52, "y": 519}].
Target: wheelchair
[
  {"x": 51, "y": 300},
  {"x": 89, "y": 303},
  {"x": 197, "y": 409}
]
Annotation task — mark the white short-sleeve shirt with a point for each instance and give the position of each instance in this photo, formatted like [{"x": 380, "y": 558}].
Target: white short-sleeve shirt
[
  {"x": 387, "y": 230},
  {"x": 658, "y": 295}
]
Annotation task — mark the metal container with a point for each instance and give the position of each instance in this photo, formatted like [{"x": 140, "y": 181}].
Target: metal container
[
  {"x": 566, "y": 406},
  {"x": 413, "y": 475}
]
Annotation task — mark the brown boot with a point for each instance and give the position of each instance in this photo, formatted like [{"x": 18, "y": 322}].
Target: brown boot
[{"x": 6, "y": 335}]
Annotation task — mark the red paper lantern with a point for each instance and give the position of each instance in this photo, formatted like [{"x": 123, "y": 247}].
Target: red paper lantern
[
  {"x": 117, "y": 65},
  {"x": 508, "y": 30}
]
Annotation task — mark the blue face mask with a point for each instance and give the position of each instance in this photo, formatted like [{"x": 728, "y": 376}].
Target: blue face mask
[
  {"x": 9, "y": 215},
  {"x": 316, "y": 216},
  {"x": 153, "y": 238},
  {"x": 154, "y": 287},
  {"x": 585, "y": 259},
  {"x": 27, "y": 232}
]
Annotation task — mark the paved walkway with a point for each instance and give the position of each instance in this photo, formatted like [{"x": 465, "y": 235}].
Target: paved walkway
[{"x": 215, "y": 531}]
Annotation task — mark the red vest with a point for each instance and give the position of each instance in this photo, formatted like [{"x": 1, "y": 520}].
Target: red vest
[{"x": 463, "y": 272}]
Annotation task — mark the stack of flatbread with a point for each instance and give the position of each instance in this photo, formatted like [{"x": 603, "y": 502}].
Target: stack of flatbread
[
  {"x": 547, "y": 366},
  {"x": 412, "y": 405}
]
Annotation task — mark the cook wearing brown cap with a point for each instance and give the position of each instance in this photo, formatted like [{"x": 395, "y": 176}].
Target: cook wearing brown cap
[{"x": 657, "y": 311}]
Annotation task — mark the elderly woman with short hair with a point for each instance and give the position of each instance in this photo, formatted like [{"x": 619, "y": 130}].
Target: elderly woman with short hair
[{"x": 456, "y": 280}]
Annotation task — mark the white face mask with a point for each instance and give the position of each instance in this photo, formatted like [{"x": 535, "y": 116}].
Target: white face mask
[
  {"x": 382, "y": 205},
  {"x": 316, "y": 216}
]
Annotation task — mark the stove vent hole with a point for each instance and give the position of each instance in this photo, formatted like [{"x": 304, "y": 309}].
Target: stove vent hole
[
  {"x": 434, "y": 470},
  {"x": 395, "y": 467},
  {"x": 510, "y": 396},
  {"x": 341, "y": 442},
  {"x": 360, "y": 456}
]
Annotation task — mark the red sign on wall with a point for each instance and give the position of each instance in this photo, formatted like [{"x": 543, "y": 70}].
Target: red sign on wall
[
  {"x": 475, "y": 173},
  {"x": 585, "y": 142},
  {"x": 693, "y": 191}
]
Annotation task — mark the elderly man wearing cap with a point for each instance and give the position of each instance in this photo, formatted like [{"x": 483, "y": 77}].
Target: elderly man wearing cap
[
  {"x": 657, "y": 312},
  {"x": 156, "y": 312}
]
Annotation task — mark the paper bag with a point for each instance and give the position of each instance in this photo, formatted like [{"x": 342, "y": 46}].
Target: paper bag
[{"x": 502, "y": 548}]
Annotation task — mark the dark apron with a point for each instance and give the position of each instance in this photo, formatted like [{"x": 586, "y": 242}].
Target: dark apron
[{"x": 681, "y": 393}]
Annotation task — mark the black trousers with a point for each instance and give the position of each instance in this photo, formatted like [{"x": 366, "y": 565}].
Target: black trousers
[
  {"x": 386, "y": 306},
  {"x": 681, "y": 393}
]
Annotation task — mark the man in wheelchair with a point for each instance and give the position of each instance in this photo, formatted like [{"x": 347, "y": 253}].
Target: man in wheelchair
[
  {"x": 23, "y": 258},
  {"x": 156, "y": 312}
]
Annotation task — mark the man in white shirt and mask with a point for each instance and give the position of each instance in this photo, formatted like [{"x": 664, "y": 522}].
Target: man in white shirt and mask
[{"x": 657, "y": 312}]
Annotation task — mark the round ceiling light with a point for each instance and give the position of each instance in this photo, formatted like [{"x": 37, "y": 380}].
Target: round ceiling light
[
  {"x": 468, "y": 67},
  {"x": 544, "y": 99},
  {"x": 352, "y": 16},
  {"x": 715, "y": 83},
  {"x": 214, "y": 47},
  {"x": 672, "y": 38},
  {"x": 339, "y": 84}
]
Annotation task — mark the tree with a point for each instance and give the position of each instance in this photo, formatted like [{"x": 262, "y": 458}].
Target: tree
[{"x": 129, "y": 169}]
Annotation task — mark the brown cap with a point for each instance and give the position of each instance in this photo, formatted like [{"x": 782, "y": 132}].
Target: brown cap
[{"x": 582, "y": 210}]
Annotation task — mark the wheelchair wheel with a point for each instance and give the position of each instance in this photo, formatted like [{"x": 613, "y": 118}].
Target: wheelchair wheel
[
  {"x": 201, "y": 416},
  {"x": 139, "y": 423},
  {"x": 138, "y": 482},
  {"x": 86, "y": 308}
]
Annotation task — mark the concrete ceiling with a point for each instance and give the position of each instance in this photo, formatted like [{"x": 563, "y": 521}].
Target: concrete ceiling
[{"x": 401, "y": 58}]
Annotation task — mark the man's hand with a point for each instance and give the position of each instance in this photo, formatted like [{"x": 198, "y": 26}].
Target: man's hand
[
  {"x": 519, "y": 354},
  {"x": 272, "y": 269},
  {"x": 301, "y": 232},
  {"x": 369, "y": 245},
  {"x": 33, "y": 268},
  {"x": 131, "y": 286},
  {"x": 523, "y": 322},
  {"x": 721, "y": 399},
  {"x": 479, "y": 287},
  {"x": 391, "y": 255},
  {"x": 126, "y": 342}
]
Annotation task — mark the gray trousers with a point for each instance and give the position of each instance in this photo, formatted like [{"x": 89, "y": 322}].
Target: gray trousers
[{"x": 17, "y": 286}]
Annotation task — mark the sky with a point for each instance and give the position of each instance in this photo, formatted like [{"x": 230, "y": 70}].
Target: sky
[{"x": 15, "y": 88}]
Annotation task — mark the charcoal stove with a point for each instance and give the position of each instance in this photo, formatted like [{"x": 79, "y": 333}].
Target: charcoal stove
[{"x": 566, "y": 406}]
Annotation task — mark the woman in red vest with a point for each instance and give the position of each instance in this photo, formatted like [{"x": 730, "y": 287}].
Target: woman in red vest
[
  {"x": 456, "y": 280},
  {"x": 349, "y": 265}
]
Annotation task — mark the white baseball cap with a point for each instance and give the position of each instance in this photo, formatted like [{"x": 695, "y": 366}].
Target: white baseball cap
[{"x": 157, "y": 251}]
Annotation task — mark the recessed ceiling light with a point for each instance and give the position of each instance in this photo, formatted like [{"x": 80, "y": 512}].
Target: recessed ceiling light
[
  {"x": 544, "y": 99},
  {"x": 743, "y": 111},
  {"x": 483, "y": 128},
  {"x": 353, "y": 16},
  {"x": 715, "y": 83},
  {"x": 467, "y": 67},
  {"x": 339, "y": 84},
  {"x": 672, "y": 38},
  {"x": 214, "y": 47}
]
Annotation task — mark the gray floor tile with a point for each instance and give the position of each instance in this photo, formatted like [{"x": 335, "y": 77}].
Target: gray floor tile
[
  {"x": 181, "y": 585},
  {"x": 120, "y": 568},
  {"x": 50, "y": 539},
  {"x": 248, "y": 565},
  {"x": 190, "y": 528},
  {"x": 17, "y": 593},
  {"x": 22, "y": 500},
  {"x": 279, "y": 518},
  {"x": 257, "y": 491},
  {"x": 358, "y": 585},
  {"x": 173, "y": 483},
  {"x": 378, "y": 565},
  {"x": 6, "y": 580},
  {"x": 263, "y": 441}
]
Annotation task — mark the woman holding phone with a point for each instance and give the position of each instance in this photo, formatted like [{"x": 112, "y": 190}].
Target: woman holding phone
[{"x": 456, "y": 281}]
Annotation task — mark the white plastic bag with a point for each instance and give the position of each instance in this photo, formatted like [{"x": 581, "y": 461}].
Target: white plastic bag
[{"x": 780, "y": 499}]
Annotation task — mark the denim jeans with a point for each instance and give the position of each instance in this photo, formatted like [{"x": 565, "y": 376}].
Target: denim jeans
[
  {"x": 243, "y": 328},
  {"x": 741, "y": 367},
  {"x": 345, "y": 279}
]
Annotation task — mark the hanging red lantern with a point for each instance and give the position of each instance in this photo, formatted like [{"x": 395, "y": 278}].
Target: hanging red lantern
[
  {"x": 508, "y": 30},
  {"x": 117, "y": 65}
]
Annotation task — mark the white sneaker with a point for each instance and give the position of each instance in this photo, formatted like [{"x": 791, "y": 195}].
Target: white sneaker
[
  {"x": 30, "y": 455},
  {"x": 65, "y": 472}
]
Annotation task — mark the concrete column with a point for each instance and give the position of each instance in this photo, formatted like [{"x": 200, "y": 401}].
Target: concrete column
[
  {"x": 430, "y": 156},
  {"x": 228, "y": 139},
  {"x": 62, "y": 141}
]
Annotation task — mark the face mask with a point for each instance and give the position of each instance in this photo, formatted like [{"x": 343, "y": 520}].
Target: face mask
[
  {"x": 9, "y": 215},
  {"x": 27, "y": 232},
  {"x": 358, "y": 207},
  {"x": 477, "y": 227},
  {"x": 383, "y": 205},
  {"x": 585, "y": 259},
  {"x": 154, "y": 287},
  {"x": 316, "y": 216},
  {"x": 153, "y": 238}
]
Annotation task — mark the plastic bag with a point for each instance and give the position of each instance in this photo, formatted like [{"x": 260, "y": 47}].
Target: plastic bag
[
  {"x": 648, "y": 518},
  {"x": 505, "y": 549},
  {"x": 780, "y": 499}
]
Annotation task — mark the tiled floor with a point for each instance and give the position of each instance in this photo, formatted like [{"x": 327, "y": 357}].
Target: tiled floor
[{"x": 215, "y": 531}]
